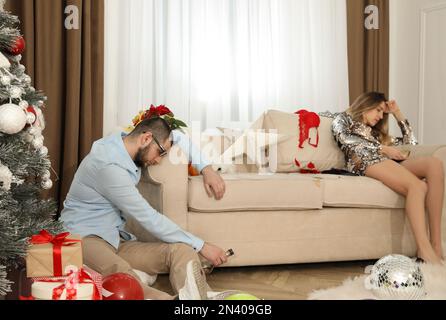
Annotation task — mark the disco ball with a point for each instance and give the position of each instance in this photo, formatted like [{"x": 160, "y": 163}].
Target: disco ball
[{"x": 396, "y": 277}]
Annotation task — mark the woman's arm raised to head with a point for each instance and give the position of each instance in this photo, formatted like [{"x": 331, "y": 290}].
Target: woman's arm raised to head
[{"x": 406, "y": 129}]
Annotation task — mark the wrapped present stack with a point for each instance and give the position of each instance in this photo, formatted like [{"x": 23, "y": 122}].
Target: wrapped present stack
[{"x": 54, "y": 263}]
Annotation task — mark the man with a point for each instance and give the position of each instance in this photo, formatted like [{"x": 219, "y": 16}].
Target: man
[{"x": 103, "y": 194}]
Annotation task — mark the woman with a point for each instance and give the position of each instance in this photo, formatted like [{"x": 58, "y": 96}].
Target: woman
[{"x": 362, "y": 134}]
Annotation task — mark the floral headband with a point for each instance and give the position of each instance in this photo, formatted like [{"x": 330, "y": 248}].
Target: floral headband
[{"x": 159, "y": 112}]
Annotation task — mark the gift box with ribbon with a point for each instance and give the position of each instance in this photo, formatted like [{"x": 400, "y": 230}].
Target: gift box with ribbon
[
  {"x": 49, "y": 255},
  {"x": 83, "y": 284}
]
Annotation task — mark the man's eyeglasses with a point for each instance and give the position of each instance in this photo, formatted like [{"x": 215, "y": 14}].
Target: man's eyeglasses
[{"x": 163, "y": 152}]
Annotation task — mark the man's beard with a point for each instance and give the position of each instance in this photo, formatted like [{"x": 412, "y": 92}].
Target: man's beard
[{"x": 139, "y": 162}]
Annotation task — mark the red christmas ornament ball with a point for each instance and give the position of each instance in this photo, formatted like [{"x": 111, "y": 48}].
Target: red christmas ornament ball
[
  {"x": 31, "y": 109},
  {"x": 18, "y": 47},
  {"x": 121, "y": 286}
]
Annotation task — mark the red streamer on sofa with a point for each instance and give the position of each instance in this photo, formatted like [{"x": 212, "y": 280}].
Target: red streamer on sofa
[{"x": 307, "y": 121}]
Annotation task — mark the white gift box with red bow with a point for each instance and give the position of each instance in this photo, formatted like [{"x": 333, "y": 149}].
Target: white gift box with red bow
[{"x": 84, "y": 284}]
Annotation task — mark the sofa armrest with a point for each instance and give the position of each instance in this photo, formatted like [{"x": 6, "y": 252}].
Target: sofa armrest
[
  {"x": 165, "y": 186},
  {"x": 438, "y": 151}
]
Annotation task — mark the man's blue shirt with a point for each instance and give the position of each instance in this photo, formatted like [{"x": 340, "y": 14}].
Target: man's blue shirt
[{"x": 104, "y": 193}]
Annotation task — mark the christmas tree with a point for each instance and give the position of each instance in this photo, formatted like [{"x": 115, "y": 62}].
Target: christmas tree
[{"x": 24, "y": 162}]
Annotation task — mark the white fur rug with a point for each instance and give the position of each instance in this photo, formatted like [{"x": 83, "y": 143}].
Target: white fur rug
[{"x": 354, "y": 289}]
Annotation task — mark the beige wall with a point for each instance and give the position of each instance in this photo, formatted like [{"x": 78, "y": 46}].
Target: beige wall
[{"x": 418, "y": 65}]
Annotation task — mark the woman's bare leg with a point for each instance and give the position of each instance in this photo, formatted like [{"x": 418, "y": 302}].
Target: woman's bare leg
[
  {"x": 404, "y": 182},
  {"x": 431, "y": 169}
]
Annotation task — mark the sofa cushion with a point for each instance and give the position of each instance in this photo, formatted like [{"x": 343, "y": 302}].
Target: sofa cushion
[
  {"x": 248, "y": 192},
  {"x": 359, "y": 192},
  {"x": 249, "y": 150},
  {"x": 325, "y": 157}
]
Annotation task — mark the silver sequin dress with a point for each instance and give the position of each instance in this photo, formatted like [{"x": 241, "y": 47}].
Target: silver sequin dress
[{"x": 359, "y": 145}]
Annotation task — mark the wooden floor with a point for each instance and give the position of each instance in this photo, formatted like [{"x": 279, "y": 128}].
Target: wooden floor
[{"x": 288, "y": 282}]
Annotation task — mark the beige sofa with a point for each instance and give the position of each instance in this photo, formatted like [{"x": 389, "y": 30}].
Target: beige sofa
[{"x": 287, "y": 218}]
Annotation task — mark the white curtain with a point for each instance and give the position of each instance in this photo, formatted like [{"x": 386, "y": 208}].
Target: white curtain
[{"x": 224, "y": 62}]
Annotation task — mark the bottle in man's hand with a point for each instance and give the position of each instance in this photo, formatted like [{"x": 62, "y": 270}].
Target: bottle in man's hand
[{"x": 208, "y": 267}]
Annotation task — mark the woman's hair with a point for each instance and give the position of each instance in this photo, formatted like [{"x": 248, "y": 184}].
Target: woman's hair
[{"x": 369, "y": 101}]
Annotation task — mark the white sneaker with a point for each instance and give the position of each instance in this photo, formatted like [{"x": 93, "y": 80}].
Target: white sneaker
[
  {"x": 145, "y": 278},
  {"x": 195, "y": 284}
]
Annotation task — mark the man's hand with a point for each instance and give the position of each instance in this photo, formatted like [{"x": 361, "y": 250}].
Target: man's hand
[
  {"x": 213, "y": 183},
  {"x": 214, "y": 254}
]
